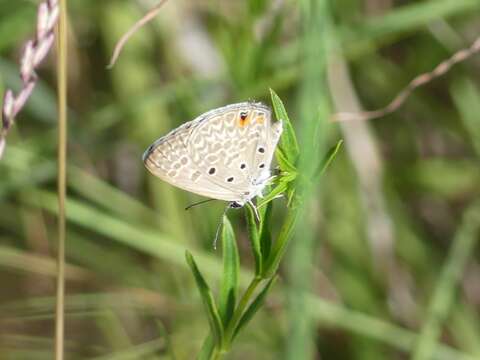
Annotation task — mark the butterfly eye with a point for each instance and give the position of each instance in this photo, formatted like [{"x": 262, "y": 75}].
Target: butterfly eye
[
  {"x": 212, "y": 170},
  {"x": 243, "y": 115}
]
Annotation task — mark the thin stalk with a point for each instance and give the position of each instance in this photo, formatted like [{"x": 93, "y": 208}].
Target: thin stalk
[
  {"x": 280, "y": 245},
  {"x": 62, "y": 160},
  {"x": 242, "y": 306}
]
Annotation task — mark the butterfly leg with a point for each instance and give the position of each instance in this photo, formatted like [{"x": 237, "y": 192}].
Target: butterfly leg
[{"x": 255, "y": 210}]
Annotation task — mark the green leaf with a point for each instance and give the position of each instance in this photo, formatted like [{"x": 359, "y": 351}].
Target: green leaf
[
  {"x": 288, "y": 141},
  {"x": 254, "y": 307},
  {"x": 327, "y": 160},
  {"x": 207, "y": 349},
  {"x": 254, "y": 238},
  {"x": 208, "y": 301},
  {"x": 277, "y": 190},
  {"x": 265, "y": 233},
  {"x": 283, "y": 163},
  {"x": 281, "y": 243},
  {"x": 231, "y": 267}
]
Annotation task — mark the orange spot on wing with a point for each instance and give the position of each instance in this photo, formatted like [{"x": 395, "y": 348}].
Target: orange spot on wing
[{"x": 242, "y": 122}]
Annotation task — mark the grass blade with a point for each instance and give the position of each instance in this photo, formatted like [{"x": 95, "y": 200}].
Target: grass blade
[
  {"x": 231, "y": 266},
  {"x": 208, "y": 301},
  {"x": 327, "y": 160},
  {"x": 62, "y": 177}
]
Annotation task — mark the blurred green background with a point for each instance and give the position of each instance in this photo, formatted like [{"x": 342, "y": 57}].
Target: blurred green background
[{"x": 390, "y": 254}]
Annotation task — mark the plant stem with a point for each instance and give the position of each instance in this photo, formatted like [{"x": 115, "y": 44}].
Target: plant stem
[
  {"x": 242, "y": 306},
  {"x": 280, "y": 245},
  {"x": 62, "y": 159}
]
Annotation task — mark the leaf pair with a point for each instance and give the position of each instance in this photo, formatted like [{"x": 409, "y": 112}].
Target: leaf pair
[
  {"x": 227, "y": 318},
  {"x": 219, "y": 317}
]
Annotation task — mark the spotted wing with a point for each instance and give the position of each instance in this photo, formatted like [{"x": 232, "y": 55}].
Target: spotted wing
[
  {"x": 169, "y": 159},
  {"x": 233, "y": 146}
]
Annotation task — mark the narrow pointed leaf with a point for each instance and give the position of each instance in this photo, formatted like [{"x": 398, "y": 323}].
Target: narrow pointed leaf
[
  {"x": 254, "y": 306},
  {"x": 328, "y": 158},
  {"x": 231, "y": 267},
  {"x": 288, "y": 142},
  {"x": 207, "y": 349},
  {"x": 283, "y": 162},
  {"x": 208, "y": 301},
  {"x": 265, "y": 233},
  {"x": 277, "y": 190},
  {"x": 254, "y": 238}
]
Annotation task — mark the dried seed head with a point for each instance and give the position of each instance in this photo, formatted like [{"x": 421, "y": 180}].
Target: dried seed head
[
  {"x": 26, "y": 65},
  {"x": 22, "y": 97},
  {"x": 42, "y": 49},
  {"x": 42, "y": 20},
  {"x": 34, "y": 52},
  {"x": 53, "y": 17},
  {"x": 7, "y": 111},
  {"x": 2, "y": 145}
]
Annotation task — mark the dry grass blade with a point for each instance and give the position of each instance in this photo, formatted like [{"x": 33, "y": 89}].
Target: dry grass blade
[
  {"x": 62, "y": 177},
  {"x": 150, "y": 15},
  {"x": 417, "y": 82}
]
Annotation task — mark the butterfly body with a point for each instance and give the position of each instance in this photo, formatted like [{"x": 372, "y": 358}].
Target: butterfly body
[{"x": 223, "y": 154}]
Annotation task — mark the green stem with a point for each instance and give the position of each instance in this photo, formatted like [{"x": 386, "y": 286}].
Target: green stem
[
  {"x": 242, "y": 306},
  {"x": 280, "y": 245},
  {"x": 217, "y": 354},
  {"x": 62, "y": 161}
]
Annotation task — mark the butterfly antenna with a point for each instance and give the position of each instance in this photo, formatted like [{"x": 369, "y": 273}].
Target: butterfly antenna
[
  {"x": 198, "y": 203},
  {"x": 219, "y": 226}
]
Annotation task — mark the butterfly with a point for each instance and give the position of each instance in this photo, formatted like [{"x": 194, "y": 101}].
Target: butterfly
[{"x": 223, "y": 154}]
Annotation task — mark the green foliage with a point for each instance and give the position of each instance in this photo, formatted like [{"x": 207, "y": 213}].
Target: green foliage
[
  {"x": 254, "y": 306},
  {"x": 254, "y": 238},
  {"x": 231, "y": 268},
  {"x": 288, "y": 145},
  {"x": 214, "y": 320},
  {"x": 267, "y": 258}
]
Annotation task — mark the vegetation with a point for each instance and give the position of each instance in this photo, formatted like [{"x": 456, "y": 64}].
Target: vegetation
[{"x": 371, "y": 252}]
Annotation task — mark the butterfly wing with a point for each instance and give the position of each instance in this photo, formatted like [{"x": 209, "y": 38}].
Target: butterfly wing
[
  {"x": 235, "y": 145},
  {"x": 223, "y": 154},
  {"x": 169, "y": 159}
]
